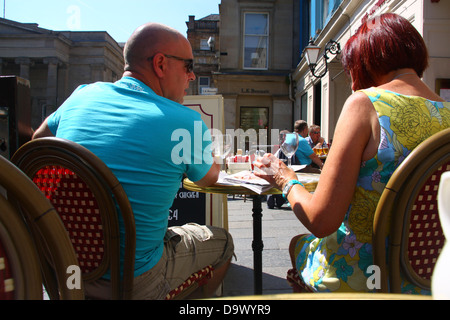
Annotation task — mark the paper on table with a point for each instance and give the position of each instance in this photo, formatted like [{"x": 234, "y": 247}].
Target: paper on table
[
  {"x": 308, "y": 177},
  {"x": 245, "y": 179},
  {"x": 299, "y": 167}
]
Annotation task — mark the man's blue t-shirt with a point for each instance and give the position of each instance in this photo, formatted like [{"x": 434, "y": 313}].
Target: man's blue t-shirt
[
  {"x": 147, "y": 141},
  {"x": 303, "y": 151}
]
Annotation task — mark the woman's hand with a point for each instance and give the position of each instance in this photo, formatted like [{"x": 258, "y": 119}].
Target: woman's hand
[{"x": 273, "y": 170}]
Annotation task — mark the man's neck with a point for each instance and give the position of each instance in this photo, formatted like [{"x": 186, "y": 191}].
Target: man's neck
[{"x": 141, "y": 77}]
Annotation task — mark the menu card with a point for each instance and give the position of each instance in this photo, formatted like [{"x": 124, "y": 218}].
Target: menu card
[{"x": 245, "y": 179}]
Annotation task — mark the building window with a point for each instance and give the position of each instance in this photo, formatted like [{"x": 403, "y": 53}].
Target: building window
[
  {"x": 204, "y": 44},
  {"x": 256, "y": 38},
  {"x": 304, "y": 107},
  {"x": 203, "y": 82},
  {"x": 321, "y": 12},
  {"x": 256, "y": 118}
]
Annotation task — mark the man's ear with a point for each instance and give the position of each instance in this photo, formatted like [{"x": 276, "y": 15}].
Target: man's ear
[{"x": 159, "y": 65}]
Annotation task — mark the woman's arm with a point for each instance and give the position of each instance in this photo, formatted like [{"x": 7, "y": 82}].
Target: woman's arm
[{"x": 354, "y": 140}]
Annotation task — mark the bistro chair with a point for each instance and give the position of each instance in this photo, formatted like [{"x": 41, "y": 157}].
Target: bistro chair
[
  {"x": 440, "y": 284},
  {"x": 85, "y": 194},
  {"x": 20, "y": 274},
  {"x": 88, "y": 198},
  {"x": 407, "y": 235},
  {"x": 20, "y": 266}
]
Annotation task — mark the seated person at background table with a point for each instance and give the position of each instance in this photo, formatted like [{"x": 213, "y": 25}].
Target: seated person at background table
[
  {"x": 132, "y": 125},
  {"x": 275, "y": 200},
  {"x": 314, "y": 139},
  {"x": 305, "y": 153},
  {"x": 386, "y": 59}
]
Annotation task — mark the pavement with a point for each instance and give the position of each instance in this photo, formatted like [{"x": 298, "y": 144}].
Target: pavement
[{"x": 278, "y": 228}]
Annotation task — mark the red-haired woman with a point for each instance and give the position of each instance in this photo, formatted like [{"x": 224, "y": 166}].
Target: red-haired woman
[{"x": 391, "y": 112}]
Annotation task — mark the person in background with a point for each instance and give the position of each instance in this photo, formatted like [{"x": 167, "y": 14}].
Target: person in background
[
  {"x": 315, "y": 139},
  {"x": 305, "y": 153},
  {"x": 130, "y": 125},
  {"x": 385, "y": 58}
]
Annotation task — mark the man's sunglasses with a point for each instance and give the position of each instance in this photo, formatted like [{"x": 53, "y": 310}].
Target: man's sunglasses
[{"x": 188, "y": 63}]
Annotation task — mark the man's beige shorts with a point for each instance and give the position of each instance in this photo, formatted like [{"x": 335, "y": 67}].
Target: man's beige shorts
[{"x": 187, "y": 249}]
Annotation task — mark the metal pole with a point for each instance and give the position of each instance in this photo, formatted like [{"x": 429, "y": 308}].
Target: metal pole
[{"x": 257, "y": 244}]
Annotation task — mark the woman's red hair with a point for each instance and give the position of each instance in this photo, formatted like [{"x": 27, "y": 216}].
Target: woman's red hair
[{"x": 383, "y": 44}]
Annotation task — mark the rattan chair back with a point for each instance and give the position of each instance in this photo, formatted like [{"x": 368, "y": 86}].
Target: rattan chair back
[
  {"x": 21, "y": 266},
  {"x": 90, "y": 201},
  {"x": 20, "y": 273},
  {"x": 407, "y": 235}
]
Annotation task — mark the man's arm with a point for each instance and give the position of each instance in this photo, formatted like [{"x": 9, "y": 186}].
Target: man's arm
[
  {"x": 316, "y": 160},
  {"x": 211, "y": 177},
  {"x": 320, "y": 142},
  {"x": 42, "y": 131}
]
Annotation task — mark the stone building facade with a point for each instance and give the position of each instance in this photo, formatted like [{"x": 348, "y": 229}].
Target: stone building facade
[
  {"x": 258, "y": 51},
  {"x": 203, "y": 34},
  {"x": 56, "y": 62},
  {"x": 320, "y": 100}
]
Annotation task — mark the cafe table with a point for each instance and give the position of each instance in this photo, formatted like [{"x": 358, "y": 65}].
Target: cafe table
[{"x": 309, "y": 180}]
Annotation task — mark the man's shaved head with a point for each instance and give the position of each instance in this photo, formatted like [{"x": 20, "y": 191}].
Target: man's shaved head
[
  {"x": 146, "y": 41},
  {"x": 156, "y": 55}
]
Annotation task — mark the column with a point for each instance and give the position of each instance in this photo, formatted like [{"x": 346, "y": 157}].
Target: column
[
  {"x": 25, "y": 64},
  {"x": 52, "y": 83}
]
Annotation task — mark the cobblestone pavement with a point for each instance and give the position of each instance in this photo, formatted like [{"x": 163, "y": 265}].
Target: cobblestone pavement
[{"x": 278, "y": 228}]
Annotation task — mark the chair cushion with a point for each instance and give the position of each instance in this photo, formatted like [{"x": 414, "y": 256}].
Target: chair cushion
[
  {"x": 426, "y": 237},
  {"x": 199, "y": 278},
  {"x": 295, "y": 282},
  {"x": 78, "y": 210}
]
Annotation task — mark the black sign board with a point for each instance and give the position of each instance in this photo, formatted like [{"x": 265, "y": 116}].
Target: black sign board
[{"x": 188, "y": 206}]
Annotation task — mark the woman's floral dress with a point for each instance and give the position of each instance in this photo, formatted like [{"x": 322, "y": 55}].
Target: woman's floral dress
[{"x": 340, "y": 261}]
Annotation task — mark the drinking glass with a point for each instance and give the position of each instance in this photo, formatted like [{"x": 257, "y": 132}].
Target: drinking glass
[
  {"x": 260, "y": 153},
  {"x": 222, "y": 144},
  {"x": 325, "y": 149},
  {"x": 227, "y": 145},
  {"x": 288, "y": 144}
]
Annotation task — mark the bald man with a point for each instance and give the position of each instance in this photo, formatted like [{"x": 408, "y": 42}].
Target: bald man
[{"x": 134, "y": 125}]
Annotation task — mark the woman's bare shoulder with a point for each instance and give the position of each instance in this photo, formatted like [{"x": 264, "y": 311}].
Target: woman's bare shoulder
[{"x": 357, "y": 104}]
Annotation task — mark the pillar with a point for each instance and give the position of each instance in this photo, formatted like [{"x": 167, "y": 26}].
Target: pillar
[
  {"x": 52, "y": 83},
  {"x": 25, "y": 64}
]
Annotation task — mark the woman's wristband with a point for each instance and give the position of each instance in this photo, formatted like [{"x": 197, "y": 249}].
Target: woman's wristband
[{"x": 287, "y": 188}]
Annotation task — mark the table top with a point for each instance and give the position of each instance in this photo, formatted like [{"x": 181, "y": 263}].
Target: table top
[{"x": 309, "y": 180}]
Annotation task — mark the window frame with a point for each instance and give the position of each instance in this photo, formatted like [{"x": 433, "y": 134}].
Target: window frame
[
  {"x": 200, "y": 86},
  {"x": 245, "y": 35},
  {"x": 204, "y": 45}
]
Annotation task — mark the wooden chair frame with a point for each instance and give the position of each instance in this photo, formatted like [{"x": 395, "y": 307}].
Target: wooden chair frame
[
  {"x": 52, "y": 151},
  {"x": 21, "y": 253},
  {"x": 392, "y": 216},
  {"x": 22, "y": 192}
]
